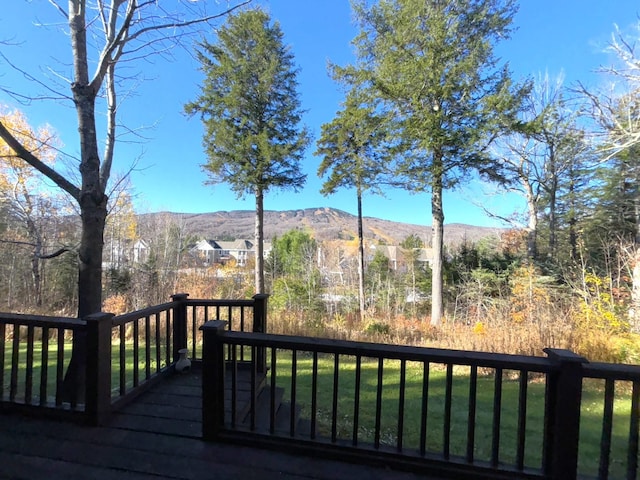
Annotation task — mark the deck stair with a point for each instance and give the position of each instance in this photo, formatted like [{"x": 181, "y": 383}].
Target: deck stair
[{"x": 174, "y": 406}]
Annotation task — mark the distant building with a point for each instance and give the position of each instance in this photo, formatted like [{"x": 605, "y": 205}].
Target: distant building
[
  {"x": 120, "y": 253},
  {"x": 140, "y": 251},
  {"x": 211, "y": 252},
  {"x": 239, "y": 250}
]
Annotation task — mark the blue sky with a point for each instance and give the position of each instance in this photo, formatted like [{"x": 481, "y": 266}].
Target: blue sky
[{"x": 552, "y": 35}]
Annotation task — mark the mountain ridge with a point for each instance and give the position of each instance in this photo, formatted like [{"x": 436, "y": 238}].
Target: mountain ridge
[{"x": 324, "y": 223}]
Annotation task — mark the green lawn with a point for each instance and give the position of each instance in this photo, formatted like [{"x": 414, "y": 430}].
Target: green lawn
[
  {"x": 591, "y": 423},
  {"x": 52, "y": 365}
]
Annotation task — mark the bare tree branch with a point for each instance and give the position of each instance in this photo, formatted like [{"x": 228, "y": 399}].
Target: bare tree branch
[
  {"x": 55, "y": 254},
  {"x": 58, "y": 7},
  {"x": 28, "y": 99},
  {"x": 38, "y": 164}
]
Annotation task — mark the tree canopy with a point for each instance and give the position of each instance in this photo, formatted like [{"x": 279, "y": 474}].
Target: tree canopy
[
  {"x": 432, "y": 65},
  {"x": 251, "y": 112}
]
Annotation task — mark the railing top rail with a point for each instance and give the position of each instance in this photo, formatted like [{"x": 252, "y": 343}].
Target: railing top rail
[
  {"x": 201, "y": 302},
  {"x": 40, "y": 320},
  {"x": 128, "y": 317},
  {"x": 612, "y": 371},
  {"x": 393, "y": 352}
]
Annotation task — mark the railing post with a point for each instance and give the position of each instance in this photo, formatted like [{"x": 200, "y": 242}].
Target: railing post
[
  {"x": 213, "y": 378},
  {"x": 260, "y": 326},
  {"x": 98, "y": 368},
  {"x": 563, "y": 403},
  {"x": 179, "y": 324}
]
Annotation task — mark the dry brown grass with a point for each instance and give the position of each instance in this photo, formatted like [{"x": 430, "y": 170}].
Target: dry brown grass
[{"x": 498, "y": 332}]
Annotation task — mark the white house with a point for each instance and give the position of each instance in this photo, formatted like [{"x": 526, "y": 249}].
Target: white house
[{"x": 221, "y": 252}]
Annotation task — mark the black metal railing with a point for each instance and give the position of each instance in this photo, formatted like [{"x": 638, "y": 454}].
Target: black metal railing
[
  {"x": 122, "y": 356},
  {"x": 619, "y": 427},
  {"x": 469, "y": 414},
  {"x": 34, "y": 352}
]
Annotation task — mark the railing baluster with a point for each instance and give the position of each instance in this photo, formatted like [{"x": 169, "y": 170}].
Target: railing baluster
[
  {"x": 136, "y": 353},
  {"x": 634, "y": 426},
  {"x": 356, "y": 401},
  {"x": 377, "y": 427},
  {"x": 522, "y": 418},
  {"x": 607, "y": 426},
  {"x": 15, "y": 359},
  {"x": 2, "y": 340},
  {"x": 158, "y": 342},
  {"x": 122, "y": 330},
  {"x": 234, "y": 385},
  {"x": 497, "y": 415},
  {"x": 272, "y": 396},
  {"x": 44, "y": 366},
  {"x": 448, "y": 400},
  {"x": 169, "y": 319},
  {"x": 334, "y": 398},
  {"x": 194, "y": 330},
  {"x": 402, "y": 386},
  {"x": 471, "y": 421},
  {"x": 425, "y": 405},
  {"x": 314, "y": 394},
  {"x": 28, "y": 387},
  {"x": 242, "y": 329},
  {"x": 294, "y": 381},
  {"x": 254, "y": 399},
  {"x": 59, "y": 366},
  {"x": 147, "y": 347}
]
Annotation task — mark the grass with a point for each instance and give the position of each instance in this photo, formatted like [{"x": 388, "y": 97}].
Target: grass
[
  {"x": 590, "y": 429},
  {"x": 591, "y": 411},
  {"x": 52, "y": 365}
]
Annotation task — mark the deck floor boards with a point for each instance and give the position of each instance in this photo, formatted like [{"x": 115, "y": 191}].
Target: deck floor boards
[{"x": 155, "y": 437}]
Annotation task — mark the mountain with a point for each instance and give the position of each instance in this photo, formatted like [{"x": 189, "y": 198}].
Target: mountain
[{"x": 324, "y": 223}]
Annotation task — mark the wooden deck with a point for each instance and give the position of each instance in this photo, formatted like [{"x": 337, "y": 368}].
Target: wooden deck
[{"x": 156, "y": 437}]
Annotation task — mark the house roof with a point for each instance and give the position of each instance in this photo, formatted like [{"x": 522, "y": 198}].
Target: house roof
[{"x": 236, "y": 245}]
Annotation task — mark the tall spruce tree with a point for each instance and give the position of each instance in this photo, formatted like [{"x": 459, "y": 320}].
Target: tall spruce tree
[
  {"x": 251, "y": 112},
  {"x": 352, "y": 157},
  {"x": 432, "y": 63}
]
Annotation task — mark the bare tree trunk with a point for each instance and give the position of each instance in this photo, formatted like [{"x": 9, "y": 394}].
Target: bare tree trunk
[
  {"x": 532, "y": 223},
  {"x": 573, "y": 221},
  {"x": 635, "y": 290},
  {"x": 259, "y": 239},
  {"x": 92, "y": 201},
  {"x": 553, "y": 192},
  {"x": 437, "y": 214},
  {"x": 34, "y": 234},
  {"x": 360, "y": 256}
]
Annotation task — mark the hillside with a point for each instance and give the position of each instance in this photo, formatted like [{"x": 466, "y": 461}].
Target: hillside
[{"x": 324, "y": 223}]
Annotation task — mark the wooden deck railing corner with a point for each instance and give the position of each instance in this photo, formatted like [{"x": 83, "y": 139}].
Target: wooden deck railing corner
[
  {"x": 260, "y": 326},
  {"x": 213, "y": 365},
  {"x": 563, "y": 402},
  {"x": 98, "y": 362},
  {"x": 179, "y": 323}
]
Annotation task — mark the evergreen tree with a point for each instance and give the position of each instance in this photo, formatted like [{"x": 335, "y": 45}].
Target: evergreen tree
[
  {"x": 250, "y": 108},
  {"x": 352, "y": 157},
  {"x": 432, "y": 64}
]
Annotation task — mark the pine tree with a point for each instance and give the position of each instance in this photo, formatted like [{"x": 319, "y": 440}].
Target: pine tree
[
  {"x": 431, "y": 63},
  {"x": 353, "y": 157},
  {"x": 251, "y": 112}
]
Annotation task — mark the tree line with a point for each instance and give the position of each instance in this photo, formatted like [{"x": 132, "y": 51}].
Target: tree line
[{"x": 427, "y": 106}]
